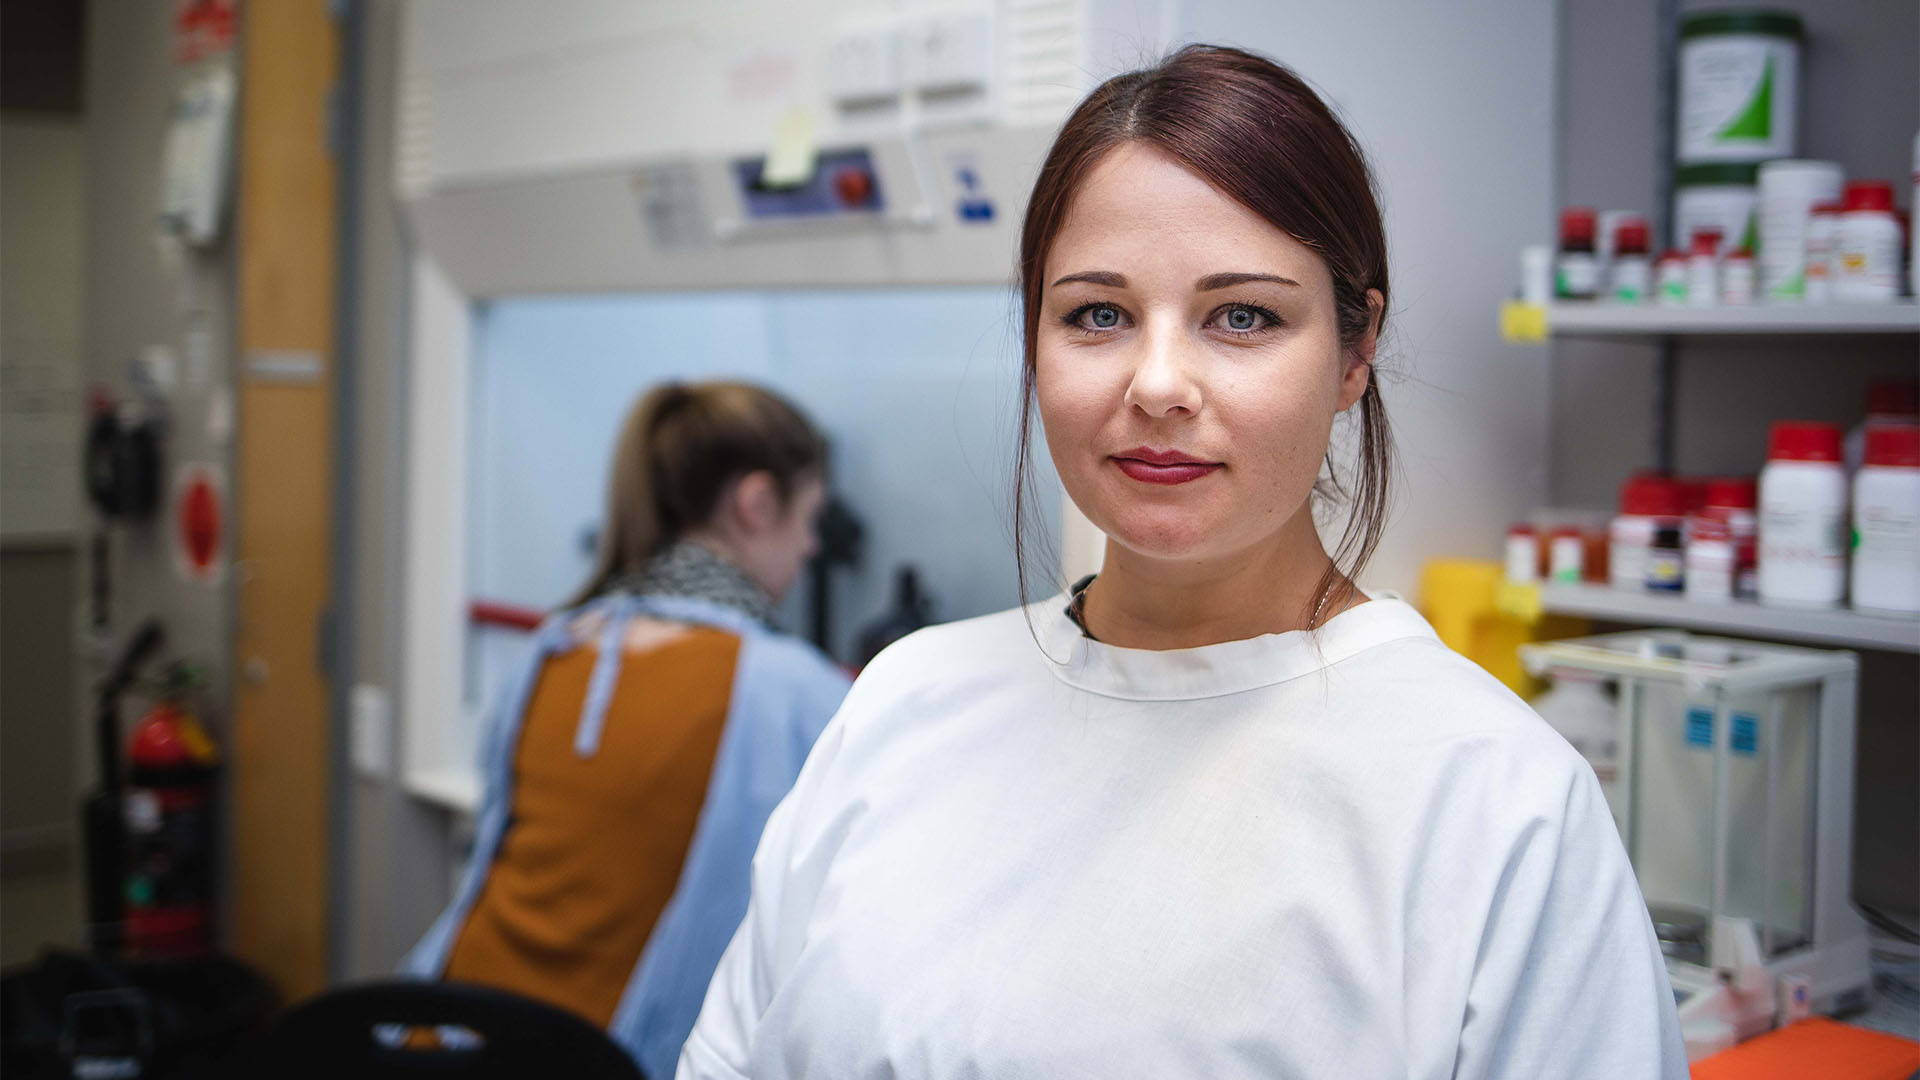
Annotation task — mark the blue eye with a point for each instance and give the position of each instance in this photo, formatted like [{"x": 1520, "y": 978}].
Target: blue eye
[
  {"x": 1094, "y": 317},
  {"x": 1246, "y": 318}
]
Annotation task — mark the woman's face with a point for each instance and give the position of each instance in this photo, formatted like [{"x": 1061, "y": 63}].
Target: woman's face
[{"x": 1189, "y": 364}]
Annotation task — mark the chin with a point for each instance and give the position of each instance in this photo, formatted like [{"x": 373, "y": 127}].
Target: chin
[{"x": 1163, "y": 532}]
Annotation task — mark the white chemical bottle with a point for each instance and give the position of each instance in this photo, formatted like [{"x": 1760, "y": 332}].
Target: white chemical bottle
[
  {"x": 1886, "y": 522},
  {"x": 1803, "y": 517},
  {"x": 1789, "y": 190},
  {"x": 1866, "y": 246}
]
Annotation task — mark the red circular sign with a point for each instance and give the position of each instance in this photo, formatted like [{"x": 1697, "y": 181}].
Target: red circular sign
[{"x": 199, "y": 523}]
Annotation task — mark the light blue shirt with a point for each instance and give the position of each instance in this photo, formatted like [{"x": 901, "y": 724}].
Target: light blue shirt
[{"x": 784, "y": 692}]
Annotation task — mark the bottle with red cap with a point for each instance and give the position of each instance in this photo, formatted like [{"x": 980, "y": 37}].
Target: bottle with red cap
[
  {"x": 1803, "y": 517},
  {"x": 1866, "y": 246},
  {"x": 1703, "y": 268},
  {"x": 1895, "y": 401},
  {"x": 1576, "y": 271},
  {"x": 1631, "y": 272},
  {"x": 1649, "y": 503},
  {"x": 1886, "y": 522}
]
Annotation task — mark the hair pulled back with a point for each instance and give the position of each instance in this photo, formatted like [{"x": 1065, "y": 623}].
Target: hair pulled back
[
  {"x": 679, "y": 448},
  {"x": 1261, "y": 136}
]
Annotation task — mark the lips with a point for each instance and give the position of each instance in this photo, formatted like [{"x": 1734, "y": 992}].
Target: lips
[{"x": 1151, "y": 466}]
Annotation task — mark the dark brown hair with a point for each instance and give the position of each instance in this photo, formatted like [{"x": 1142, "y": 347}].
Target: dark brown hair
[
  {"x": 679, "y": 448},
  {"x": 1261, "y": 136}
]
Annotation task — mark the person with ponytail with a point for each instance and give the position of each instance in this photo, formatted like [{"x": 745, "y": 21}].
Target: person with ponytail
[
  {"x": 630, "y": 766},
  {"x": 1216, "y": 811}
]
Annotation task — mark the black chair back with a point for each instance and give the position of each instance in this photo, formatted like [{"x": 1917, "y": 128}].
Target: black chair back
[{"x": 403, "y": 1029}]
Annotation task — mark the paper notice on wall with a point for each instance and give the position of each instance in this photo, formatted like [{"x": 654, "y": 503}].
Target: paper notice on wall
[{"x": 791, "y": 158}]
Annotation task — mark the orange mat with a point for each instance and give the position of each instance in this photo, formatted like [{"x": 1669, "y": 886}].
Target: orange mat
[{"x": 1815, "y": 1047}]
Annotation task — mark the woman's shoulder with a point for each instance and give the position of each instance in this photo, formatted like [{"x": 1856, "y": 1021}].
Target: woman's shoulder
[
  {"x": 1426, "y": 696},
  {"x": 957, "y": 651}
]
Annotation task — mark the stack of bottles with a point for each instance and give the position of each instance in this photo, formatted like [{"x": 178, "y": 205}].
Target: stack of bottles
[
  {"x": 1751, "y": 221},
  {"x": 1830, "y": 520}
]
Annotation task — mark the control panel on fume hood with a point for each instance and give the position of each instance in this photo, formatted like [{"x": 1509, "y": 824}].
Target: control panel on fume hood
[{"x": 844, "y": 182}]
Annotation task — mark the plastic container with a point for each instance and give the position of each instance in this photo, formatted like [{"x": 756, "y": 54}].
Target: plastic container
[
  {"x": 1576, "y": 273},
  {"x": 1789, "y": 190},
  {"x": 1866, "y": 246},
  {"x": 1536, "y": 274},
  {"x": 1886, "y": 522},
  {"x": 1723, "y": 197},
  {"x": 1567, "y": 556},
  {"x": 1733, "y": 499},
  {"x": 1821, "y": 227},
  {"x": 1739, "y": 86},
  {"x": 1523, "y": 554},
  {"x": 1703, "y": 269},
  {"x": 1711, "y": 561},
  {"x": 1630, "y": 273},
  {"x": 1648, "y": 503},
  {"x": 1736, "y": 278},
  {"x": 1670, "y": 279},
  {"x": 1803, "y": 517}
]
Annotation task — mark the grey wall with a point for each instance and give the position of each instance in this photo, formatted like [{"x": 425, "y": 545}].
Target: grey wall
[
  {"x": 42, "y": 163},
  {"x": 1860, "y": 106},
  {"x": 397, "y": 851},
  {"x": 138, "y": 296}
]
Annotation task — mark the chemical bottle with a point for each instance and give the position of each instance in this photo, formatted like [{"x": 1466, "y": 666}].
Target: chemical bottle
[
  {"x": 1886, "y": 522},
  {"x": 1736, "y": 278},
  {"x": 1631, "y": 279},
  {"x": 1523, "y": 554},
  {"x": 1821, "y": 228},
  {"x": 1710, "y": 561},
  {"x": 1889, "y": 401},
  {"x": 1732, "y": 499},
  {"x": 1866, "y": 246},
  {"x": 1803, "y": 513},
  {"x": 1648, "y": 503},
  {"x": 1670, "y": 279},
  {"x": 1577, "y": 270},
  {"x": 1567, "y": 556},
  {"x": 1703, "y": 269}
]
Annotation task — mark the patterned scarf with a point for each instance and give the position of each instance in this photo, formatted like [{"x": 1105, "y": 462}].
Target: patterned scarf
[{"x": 691, "y": 570}]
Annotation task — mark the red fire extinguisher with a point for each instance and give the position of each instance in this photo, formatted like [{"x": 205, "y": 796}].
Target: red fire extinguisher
[{"x": 170, "y": 828}]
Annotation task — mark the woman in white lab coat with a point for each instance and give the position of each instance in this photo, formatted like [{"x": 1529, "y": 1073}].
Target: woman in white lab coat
[
  {"x": 1216, "y": 811},
  {"x": 633, "y": 761}
]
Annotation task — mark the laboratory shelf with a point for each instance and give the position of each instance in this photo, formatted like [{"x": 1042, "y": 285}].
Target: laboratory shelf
[
  {"x": 1599, "y": 319},
  {"x": 1842, "y": 628}
]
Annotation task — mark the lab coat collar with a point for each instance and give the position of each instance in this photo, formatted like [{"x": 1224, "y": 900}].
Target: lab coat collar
[{"x": 1230, "y": 667}]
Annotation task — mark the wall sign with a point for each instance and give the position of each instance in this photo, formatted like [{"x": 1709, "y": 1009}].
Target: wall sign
[{"x": 198, "y": 522}]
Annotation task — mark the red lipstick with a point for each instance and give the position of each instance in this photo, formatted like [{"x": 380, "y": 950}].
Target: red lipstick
[{"x": 1151, "y": 466}]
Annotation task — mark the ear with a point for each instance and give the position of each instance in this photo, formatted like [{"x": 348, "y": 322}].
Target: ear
[
  {"x": 1353, "y": 381},
  {"x": 755, "y": 501}
]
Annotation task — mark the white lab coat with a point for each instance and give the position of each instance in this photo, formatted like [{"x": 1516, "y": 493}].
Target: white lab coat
[{"x": 1345, "y": 854}]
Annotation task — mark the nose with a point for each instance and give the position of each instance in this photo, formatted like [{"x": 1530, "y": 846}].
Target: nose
[{"x": 1164, "y": 382}]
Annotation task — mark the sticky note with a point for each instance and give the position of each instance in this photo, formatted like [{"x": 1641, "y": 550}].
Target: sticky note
[
  {"x": 791, "y": 158},
  {"x": 1522, "y": 323}
]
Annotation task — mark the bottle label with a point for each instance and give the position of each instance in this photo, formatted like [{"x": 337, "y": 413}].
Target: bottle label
[{"x": 1802, "y": 535}]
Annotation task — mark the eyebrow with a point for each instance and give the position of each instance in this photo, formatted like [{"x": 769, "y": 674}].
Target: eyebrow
[{"x": 1210, "y": 283}]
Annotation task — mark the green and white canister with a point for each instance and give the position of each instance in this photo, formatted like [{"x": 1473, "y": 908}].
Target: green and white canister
[
  {"x": 1739, "y": 86},
  {"x": 1721, "y": 197}
]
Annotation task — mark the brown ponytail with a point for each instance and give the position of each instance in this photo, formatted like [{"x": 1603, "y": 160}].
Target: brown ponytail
[{"x": 679, "y": 447}]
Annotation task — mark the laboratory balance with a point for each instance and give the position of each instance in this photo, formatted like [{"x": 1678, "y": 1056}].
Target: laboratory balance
[{"x": 1731, "y": 780}]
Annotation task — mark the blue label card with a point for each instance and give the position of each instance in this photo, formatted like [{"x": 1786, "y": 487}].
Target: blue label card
[
  {"x": 1700, "y": 727},
  {"x": 1746, "y": 734}
]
